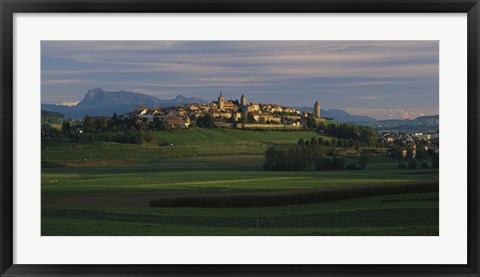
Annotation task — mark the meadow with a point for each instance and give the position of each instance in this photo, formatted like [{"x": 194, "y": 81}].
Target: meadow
[{"x": 105, "y": 189}]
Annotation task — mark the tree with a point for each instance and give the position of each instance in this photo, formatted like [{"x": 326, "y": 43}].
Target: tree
[
  {"x": 435, "y": 161},
  {"x": 357, "y": 144},
  {"x": 363, "y": 160},
  {"x": 206, "y": 121},
  {"x": 420, "y": 154},
  {"x": 66, "y": 127},
  {"x": 338, "y": 163},
  {"x": 88, "y": 123},
  {"x": 340, "y": 142},
  {"x": 250, "y": 118},
  {"x": 311, "y": 122},
  {"x": 333, "y": 142},
  {"x": 412, "y": 164}
]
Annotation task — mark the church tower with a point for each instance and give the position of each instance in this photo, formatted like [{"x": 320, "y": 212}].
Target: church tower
[
  {"x": 316, "y": 109},
  {"x": 244, "y": 100},
  {"x": 221, "y": 102}
]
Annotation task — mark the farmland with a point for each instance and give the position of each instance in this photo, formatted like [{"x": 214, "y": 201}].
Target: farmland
[{"x": 105, "y": 188}]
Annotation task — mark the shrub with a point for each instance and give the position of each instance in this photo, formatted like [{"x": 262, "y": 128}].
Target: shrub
[
  {"x": 435, "y": 161},
  {"x": 338, "y": 163},
  {"x": 425, "y": 165},
  {"x": 363, "y": 160},
  {"x": 412, "y": 164},
  {"x": 402, "y": 165},
  {"x": 323, "y": 163},
  {"x": 352, "y": 167}
]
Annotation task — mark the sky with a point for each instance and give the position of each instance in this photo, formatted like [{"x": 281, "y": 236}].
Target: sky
[{"x": 374, "y": 78}]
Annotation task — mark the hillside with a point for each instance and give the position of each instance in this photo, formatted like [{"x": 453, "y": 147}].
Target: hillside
[{"x": 51, "y": 117}]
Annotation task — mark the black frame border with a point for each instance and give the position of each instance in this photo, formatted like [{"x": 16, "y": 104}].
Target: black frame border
[{"x": 9, "y": 7}]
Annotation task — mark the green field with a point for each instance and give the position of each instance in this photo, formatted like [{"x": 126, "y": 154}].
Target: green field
[{"x": 105, "y": 189}]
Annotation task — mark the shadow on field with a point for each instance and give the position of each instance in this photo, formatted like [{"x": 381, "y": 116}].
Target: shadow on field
[
  {"x": 412, "y": 217},
  {"x": 290, "y": 197}
]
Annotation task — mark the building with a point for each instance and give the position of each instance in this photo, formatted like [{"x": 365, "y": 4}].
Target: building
[
  {"x": 244, "y": 100},
  {"x": 316, "y": 109},
  {"x": 221, "y": 102}
]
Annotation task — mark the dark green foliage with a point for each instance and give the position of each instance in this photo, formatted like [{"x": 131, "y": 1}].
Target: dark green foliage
[
  {"x": 420, "y": 154},
  {"x": 402, "y": 165},
  {"x": 338, "y": 163},
  {"x": 363, "y": 160},
  {"x": 352, "y": 167},
  {"x": 292, "y": 157},
  {"x": 301, "y": 142},
  {"x": 49, "y": 117},
  {"x": 350, "y": 131},
  {"x": 435, "y": 161},
  {"x": 321, "y": 141},
  {"x": 284, "y": 158},
  {"x": 66, "y": 127},
  {"x": 205, "y": 121},
  {"x": 311, "y": 122},
  {"x": 412, "y": 164},
  {"x": 88, "y": 124},
  {"x": 323, "y": 163},
  {"x": 130, "y": 137},
  {"x": 292, "y": 197},
  {"x": 425, "y": 165},
  {"x": 250, "y": 118}
]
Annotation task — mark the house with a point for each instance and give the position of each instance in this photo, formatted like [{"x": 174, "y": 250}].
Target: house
[{"x": 178, "y": 122}]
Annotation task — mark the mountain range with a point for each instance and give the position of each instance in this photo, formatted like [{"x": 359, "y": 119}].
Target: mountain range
[
  {"x": 419, "y": 124},
  {"x": 340, "y": 115},
  {"x": 98, "y": 102}
]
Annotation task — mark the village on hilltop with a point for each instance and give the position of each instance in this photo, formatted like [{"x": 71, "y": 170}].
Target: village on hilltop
[{"x": 232, "y": 113}]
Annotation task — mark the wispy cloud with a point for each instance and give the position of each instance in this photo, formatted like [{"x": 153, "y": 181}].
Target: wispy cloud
[
  {"x": 64, "y": 81},
  {"x": 339, "y": 73}
]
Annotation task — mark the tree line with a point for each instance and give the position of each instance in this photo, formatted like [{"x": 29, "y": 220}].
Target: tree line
[{"x": 300, "y": 157}]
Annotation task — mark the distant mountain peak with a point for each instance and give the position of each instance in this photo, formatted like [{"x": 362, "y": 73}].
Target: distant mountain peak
[
  {"x": 180, "y": 97},
  {"x": 94, "y": 91},
  {"x": 99, "y": 102}
]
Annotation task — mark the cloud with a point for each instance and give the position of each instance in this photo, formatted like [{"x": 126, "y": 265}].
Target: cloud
[
  {"x": 64, "y": 81},
  {"x": 367, "y": 69}
]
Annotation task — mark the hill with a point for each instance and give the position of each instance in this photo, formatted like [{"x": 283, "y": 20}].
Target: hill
[
  {"x": 98, "y": 102},
  {"x": 51, "y": 117}
]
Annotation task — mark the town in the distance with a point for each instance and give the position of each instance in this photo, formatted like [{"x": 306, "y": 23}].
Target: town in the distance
[{"x": 241, "y": 114}]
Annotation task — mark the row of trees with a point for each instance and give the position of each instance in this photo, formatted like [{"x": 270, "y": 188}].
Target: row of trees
[
  {"x": 340, "y": 142},
  {"x": 415, "y": 163},
  {"x": 349, "y": 131},
  {"x": 300, "y": 157},
  {"x": 116, "y": 123}
]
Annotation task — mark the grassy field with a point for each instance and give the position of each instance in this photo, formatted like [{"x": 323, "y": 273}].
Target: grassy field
[
  {"x": 188, "y": 142},
  {"x": 105, "y": 189},
  {"x": 409, "y": 214}
]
